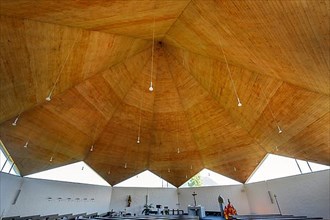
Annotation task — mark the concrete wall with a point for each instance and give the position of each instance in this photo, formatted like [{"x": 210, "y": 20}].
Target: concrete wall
[
  {"x": 35, "y": 194},
  {"x": 156, "y": 196},
  {"x": 9, "y": 186},
  {"x": 307, "y": 194},
  {"x": 208, "y": 197}
]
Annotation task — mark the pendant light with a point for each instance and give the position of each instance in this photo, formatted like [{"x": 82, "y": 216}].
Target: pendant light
[{"x": 151, "y": 88}]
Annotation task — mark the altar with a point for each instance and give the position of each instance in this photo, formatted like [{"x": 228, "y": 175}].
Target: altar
[{"x": 196, "y": 210}]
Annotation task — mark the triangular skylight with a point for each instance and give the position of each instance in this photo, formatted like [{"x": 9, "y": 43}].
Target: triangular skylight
[
  {"x": 210, "y": 178},
  {"x": 145, "y": 179},
  {"x": 78, "y": 172},
  {"x": 275, "y": 166},
  {"x": 7, "y": 164}
]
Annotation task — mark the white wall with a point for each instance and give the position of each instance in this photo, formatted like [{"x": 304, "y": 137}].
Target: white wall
[
  {"x": 208, "y": 197},
  {"x": 307, "y": 194},
  {"x": 9, "y": 185},
  {"x": 156, "y": 196},
  {"x": 34, "y": 195}
]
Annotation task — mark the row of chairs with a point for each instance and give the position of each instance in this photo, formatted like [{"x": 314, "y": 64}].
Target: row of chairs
[
  {"x": 69, "y": 216},
  {"x": 151, "y": 217}
]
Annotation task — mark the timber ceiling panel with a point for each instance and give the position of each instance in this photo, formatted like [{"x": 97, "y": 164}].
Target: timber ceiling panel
[
  {"x": 218, "y": 137},
  {"x": 174, "y": 149},
  {"x": 98, "y": 56},
  {"x": 265, "y": 101},
  {"x": 66, "y": 127},
  {"x": 35, "y": 56},
  {"x": 288, "y": 40},
  {"x": 126, "y": 17}
]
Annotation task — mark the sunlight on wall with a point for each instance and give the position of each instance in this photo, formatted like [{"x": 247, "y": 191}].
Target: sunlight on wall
[
  {"x": 210, "y": 178},
  {"x": 145, "y": 179},
  {"x": 275, "y": 166},
  {"x": 78, "y": 172}
]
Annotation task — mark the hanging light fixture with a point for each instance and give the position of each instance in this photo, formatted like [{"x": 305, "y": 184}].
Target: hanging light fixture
[
  {"x": 49, "y": 97},
  {"x": 16, "y": 120},
  {"x": 26, "y": 144},
  {"x": 239, "y": 103},
  {"x": 138, "y": 141},
  {"x": 177, "y": 136},
  {"x": 151, "y": 88},
  {"x": 92, "y": 148},
  {"x": 51, "y": 159},
  {"x": 272, "y": 113},
  {"x": 125, "y": 165}
]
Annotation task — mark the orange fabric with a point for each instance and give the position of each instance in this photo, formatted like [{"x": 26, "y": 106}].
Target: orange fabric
[{"x": 229, "y": 211}]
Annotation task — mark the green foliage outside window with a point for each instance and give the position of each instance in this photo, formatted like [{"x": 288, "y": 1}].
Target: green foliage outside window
[{"x": 195, "y": 181}]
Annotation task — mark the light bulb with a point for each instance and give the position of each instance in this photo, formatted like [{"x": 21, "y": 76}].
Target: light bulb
[
  {"x": 125, "y": 165},
  {"x": 92, "y": 148},
  {"x": 26, "y": 144},
  {"x": 51, "y": 159},
  {"x": 49, "y": 97},
  {"x": 239, "y": 102},
  {"x": 138, "y": 140},
  {"x": 168, "y": 170},
  {"x": 178, "y": 150},
  {"x": 15, "y": 122},
  {"x": 151, "y": 88},
  {"x": 279, "y": 129}
]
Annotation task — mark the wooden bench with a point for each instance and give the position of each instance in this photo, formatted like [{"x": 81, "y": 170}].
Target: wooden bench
[
  {"x": 11, "y": 218},
  {"x": 64, "y": 216},
  {"x": 49, "y": 217},
  {"x": 92, "y": 215},
  {"x": 31, "y": 217},
  {"x": 72, "y": 217}
]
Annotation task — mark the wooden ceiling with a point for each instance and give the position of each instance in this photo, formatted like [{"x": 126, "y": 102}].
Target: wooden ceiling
[{"x": 96, "y": 58}]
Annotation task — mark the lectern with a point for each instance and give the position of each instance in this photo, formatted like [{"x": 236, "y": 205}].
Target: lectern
[{"x": 196, "y": 210}]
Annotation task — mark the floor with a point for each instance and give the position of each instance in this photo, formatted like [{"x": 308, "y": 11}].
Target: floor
[{"x": 213, "y": 218}]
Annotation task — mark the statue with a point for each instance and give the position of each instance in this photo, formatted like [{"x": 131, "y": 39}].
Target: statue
[
  {"x": 129, "y": 201},
  {"x": 220, "y": 200}
]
